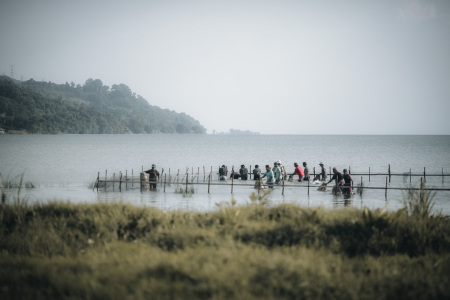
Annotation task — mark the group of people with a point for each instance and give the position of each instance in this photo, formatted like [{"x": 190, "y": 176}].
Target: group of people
[
  {"x": 343, "y": 181},
  {"x": 275, "y": 175},
  {"x": 278, "y": 173}
]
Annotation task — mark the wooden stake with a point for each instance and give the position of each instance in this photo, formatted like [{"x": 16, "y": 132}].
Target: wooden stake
[
  {"x": 410, "y": 175},
  {"x": 232, "y": 178},
  {"x": 165, "y": 179},
  {"x": 126, "y": 179},
  {"x": 369, "y": 175},
  {"x": 424, "y": 175},
  {"x": 308, "y": 187},
  {"x": 389, "y": 171},
  {"x": 361, "y": 190},
  {"x": 114, "y": 179},
  {"x": 209, "y": 181},
  {"x": 335, "y": 191},
  {"x": 106, "y": 178},
  {"x": 120, "y": 182},
  {"x": 385, "y": 190},
  {"x": 282, "y": 191},
  {"x": 421, "y": 185}
]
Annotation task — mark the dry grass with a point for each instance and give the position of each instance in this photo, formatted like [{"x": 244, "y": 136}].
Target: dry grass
[{"x": 118, "y": 251}]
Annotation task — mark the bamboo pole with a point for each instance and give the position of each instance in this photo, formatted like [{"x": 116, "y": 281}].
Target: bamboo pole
[
  {"x": 204, "y": 174},
  {"x": 308, "y": 187},
  {"x": 409, "y": 175},
  {"x": 165, "y": 179},
  {"x": 424, "y": 175},
  {"x": 259, "y": 185},
  {"x": 421, "y": 185},
  {"x": 198, "y": 173},
  {"x": 389, "y": 171},
  {"x": 232, "y": 178},
  {"x": 132, "y": 178},
  {"x": 442, "y": 175},
  {"x": 98, "y": 180},
  {"x": 361, "y": 189},
  {"x": 114, "y": 179},
  {"x": 106, "y": 178},
  {"x": 126, "y": 179},
  {"x": 250, "y": 172},
  {"x": 209, "y": 181},
  {"x": 120, "y": 182},
  {"x": 336, "y": 181},
  {"x": 369, "y": 175},
  {"x": 282, "y": 191},
  {"x": 314, "y": 169},
  {"x": 385, "y": 190},
  {"x": 187, "y": 175}
]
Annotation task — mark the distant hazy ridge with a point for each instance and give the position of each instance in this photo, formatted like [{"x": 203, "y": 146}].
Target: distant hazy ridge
[{"x": 45, "y": 107}]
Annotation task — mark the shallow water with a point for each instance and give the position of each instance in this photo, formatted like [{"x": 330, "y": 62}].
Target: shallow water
[{"x": 63, "y": 166}]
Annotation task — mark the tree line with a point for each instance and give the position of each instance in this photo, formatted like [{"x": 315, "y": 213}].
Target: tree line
[{"x": 92, "y": 108}]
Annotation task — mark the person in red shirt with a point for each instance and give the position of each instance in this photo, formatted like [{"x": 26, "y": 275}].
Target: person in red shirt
[{"x": 298, "y": 171}]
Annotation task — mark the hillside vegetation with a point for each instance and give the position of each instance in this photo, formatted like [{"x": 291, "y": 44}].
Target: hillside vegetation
[
  {"x": 119, "y": 251},
  {"x": 45, "y": 107}
]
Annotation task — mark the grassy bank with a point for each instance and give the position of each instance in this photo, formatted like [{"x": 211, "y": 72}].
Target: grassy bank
[{"x": 117, "y": 251}]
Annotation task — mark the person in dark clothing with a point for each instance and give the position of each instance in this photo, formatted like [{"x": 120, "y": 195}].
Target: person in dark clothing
[
  {"x": 338, "y": 177},
  {"x": 323, "y": 173},
  {"x": 256, "y": 173},
  {"x": 223, "y": 173},
  {"x": 244, "y": 172},
  {"x": 153, "y": 176},
  {"x": 306, "y": 171},
  {"x": 235, "y": 175},
  {"x": 348, "y": 180}
]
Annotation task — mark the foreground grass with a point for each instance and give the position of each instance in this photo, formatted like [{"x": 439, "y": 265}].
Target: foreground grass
[{"x": 118, "y": 251}]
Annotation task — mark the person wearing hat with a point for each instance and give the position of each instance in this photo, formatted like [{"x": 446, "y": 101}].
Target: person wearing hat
[
  {"x": 282, "y": 169},
  {"x": 153, "y": 176},
  {"x": 276, "y": 172},
  {"x": 323, "y": 173},
  {"x": 244, "y": 172}
]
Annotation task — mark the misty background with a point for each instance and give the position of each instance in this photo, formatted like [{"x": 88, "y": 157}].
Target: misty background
[{"x": 274, "y": 67}]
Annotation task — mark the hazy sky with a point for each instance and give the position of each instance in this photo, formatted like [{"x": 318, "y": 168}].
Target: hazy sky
[{"x": 285, "y": 67}]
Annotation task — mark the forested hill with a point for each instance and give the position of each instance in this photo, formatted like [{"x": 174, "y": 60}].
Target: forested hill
[{"x": 45, "y": 107}]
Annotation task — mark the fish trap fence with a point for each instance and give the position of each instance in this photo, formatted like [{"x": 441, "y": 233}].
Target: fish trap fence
[{"x": 184, "y": 181}]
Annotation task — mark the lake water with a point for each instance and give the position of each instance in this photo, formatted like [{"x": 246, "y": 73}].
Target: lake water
[{"x": 63, "y": 166}]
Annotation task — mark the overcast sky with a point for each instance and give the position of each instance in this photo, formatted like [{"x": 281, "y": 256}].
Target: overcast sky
[{"x": 275, "y": 67}]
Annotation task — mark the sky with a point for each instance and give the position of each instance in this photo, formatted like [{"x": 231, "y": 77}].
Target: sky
[{"x": 274, "y": 67}]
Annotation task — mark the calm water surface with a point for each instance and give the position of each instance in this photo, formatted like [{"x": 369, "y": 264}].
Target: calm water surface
[{"x": 63, "y": 166}]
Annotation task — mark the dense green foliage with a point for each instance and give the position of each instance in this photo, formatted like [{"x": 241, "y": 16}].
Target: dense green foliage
[
  {"x": 118, "y": 251},
  {"x": 45, "y": 107}
]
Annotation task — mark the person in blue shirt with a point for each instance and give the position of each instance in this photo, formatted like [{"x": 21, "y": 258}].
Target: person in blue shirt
[{"x": 270, "y": 178}]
